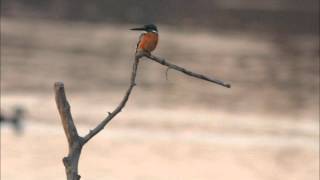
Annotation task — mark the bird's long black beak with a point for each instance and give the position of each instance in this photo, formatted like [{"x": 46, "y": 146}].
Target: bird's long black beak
[{"x": 138, "y": 29}]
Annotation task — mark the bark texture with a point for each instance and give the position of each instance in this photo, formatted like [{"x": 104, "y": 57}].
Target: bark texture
[{"x": 76, "y": 142}]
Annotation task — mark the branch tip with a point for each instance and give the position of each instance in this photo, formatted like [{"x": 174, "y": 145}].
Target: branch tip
[
  {"x": 186, "y": 71},
  {"x": 58, "y": 85}
]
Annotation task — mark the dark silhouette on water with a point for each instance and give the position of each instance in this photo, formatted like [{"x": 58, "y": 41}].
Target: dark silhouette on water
[{"x": 15, "y": 120}]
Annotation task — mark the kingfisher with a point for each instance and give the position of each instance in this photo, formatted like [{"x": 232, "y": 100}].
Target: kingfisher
[{"x": 148, "y": 39}]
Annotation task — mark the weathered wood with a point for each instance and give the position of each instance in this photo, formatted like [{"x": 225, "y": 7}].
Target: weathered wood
[
  {"x": 65, "y": 113},
  {"x": 186, "y": 71},
  {"x": 75, "y": 141}
]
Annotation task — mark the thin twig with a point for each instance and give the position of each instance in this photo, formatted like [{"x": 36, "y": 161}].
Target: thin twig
[
  {"x": 185, "y": 71},
  {"x": 118, "y": 109},
  {"x": 167, "y": 73}
]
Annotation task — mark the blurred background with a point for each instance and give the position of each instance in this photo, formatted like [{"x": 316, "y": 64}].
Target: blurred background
[{"x": 266, "y": 127}]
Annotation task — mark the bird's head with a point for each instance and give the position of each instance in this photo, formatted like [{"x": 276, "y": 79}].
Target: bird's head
[{"x": 147, "y": 28}]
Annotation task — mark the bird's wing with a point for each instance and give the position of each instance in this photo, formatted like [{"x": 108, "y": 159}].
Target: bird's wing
[{"x": 140, "y": 38}]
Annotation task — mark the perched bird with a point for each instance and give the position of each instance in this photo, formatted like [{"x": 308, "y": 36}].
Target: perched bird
[{"x": 148, "y": 40}]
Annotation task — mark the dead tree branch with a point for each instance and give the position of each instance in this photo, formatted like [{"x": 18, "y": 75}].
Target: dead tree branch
[
  {"x": 75, "y": 141},
  {"x": 120, "y": 106},
  {"x": 185, "y": 71}
]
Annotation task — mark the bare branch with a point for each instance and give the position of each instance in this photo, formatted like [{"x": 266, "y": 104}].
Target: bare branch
[
  {"x": 100, "y": 126},
  {"x": 65, "y": 114},
  {"x": 74, "y": 140},
  {"x": 118, "y": 109},
  {"x": 185, "y": 71}
]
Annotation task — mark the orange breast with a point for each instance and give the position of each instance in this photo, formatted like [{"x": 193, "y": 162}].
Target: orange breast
[{"x": 148, "y": 41}]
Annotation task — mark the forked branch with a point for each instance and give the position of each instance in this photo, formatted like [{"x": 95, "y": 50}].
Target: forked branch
[{"x": 75, "y": 141}]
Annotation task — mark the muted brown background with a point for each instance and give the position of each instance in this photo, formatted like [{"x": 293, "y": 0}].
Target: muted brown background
[{"x": 264, "y": 127}]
